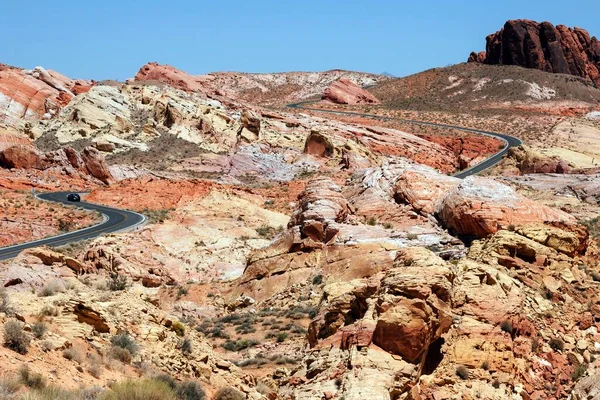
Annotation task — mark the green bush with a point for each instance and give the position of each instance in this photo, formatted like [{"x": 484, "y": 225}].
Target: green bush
[
  {"x": 178, "y": 328},
  {"x": 147, "y": 389},
  {"x": 317, "y": 279}
]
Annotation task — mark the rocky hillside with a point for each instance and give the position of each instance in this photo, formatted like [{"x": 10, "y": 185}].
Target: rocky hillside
[
  {"x": 545, "y": 47},
  {"x": 474, "y": 87},
  {"x": 268, "y": 88},
  {"x": 295, "y": 255}
]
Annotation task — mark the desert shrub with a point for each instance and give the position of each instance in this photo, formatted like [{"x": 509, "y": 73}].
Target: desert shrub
[
  {"x": 281, "y": 337},
  {"x": 372, "y": 221},
  {"x": 178, "y": 328},
  {"x": 147, "y": 389},
  {"x": 8, "y": 387},
  {"x": 186, "y": 346},
  {"x": 51, "y": 288},
  {"x": 31, "y": 379},
  {"x": 535, "y": 344},
  {"x": 95, "y": 365},
  {"x": 39, "y": 329},
  {"x": 5, "y": 306},
  {"x": 462, "y": 372},
  {"x": 72, "y": 354},
  {"x": 578, "y": 372},
  {"x": 317, "y": 279},
  {"x": 48, "y": 311},
  {"x": 55, "y": 393},
  {"x": 181, "y": 291},
  {"x": 190, "y": 390},
  {"x": 507, "y": 326},
  {"x": 556, "y": 344},
  {"x": 229, "y": 393},
  {"x": 124, "y": 341},
  {"x": 121, "y": 354},
  {"x": 239, "y": 344},
  {"x": 218, "y": 332},
  {"x": 263, "y": 388},
  {"x": 47, "y": 345},
  {"x": 116, "y": 282},
  {"x": 280, "y": 360},
  {"x": 15, "y": 337},
  {"x": 485, "y": 365},
  {"x": 412, "y": 236}
]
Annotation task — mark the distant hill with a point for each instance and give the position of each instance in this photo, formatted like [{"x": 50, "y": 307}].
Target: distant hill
[{"x": 479, "y": 86}]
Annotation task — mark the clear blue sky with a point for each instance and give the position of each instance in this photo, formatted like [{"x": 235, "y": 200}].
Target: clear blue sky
[{"x": 112, "y": 39}]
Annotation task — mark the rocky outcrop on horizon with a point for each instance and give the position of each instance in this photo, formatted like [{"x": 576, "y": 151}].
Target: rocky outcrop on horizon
[
  {"x": 27, "y": 95},
  {"x": 543, "y": 46}
]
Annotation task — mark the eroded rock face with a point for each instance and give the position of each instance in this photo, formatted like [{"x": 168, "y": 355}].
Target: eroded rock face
[
  {"x": 89, "y": 162},
  {"x": 344, "y": 91},
  {"x": 480, "y": 206},
  {"x": 545, "y": 47}
]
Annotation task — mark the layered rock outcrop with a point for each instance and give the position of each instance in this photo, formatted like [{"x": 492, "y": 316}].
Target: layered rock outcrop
[
  {"x": 543, "y": 46},
  {"x": 344, "y": 91},
  {"x": 33, "y": 94}
]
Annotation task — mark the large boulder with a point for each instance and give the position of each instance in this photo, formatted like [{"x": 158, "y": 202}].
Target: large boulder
[
  {"x": 479, "y": 206},
  {"x": 545, "y": 47},
  {"x": 344, "y": 91},
  {"x": 95, "y": 164},
  {"x": 22, "y": 156}
]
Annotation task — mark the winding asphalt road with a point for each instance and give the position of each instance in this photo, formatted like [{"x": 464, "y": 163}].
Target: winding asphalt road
[
  {"x": 115, "y": 220},
  {"x": 509, "y": 141}
]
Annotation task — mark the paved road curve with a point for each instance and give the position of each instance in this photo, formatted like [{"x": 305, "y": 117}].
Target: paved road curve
[
  {"x": 118, "y": 220},
  {"x": 509, "y": 141},
  {"x": 114, "y": 220}
]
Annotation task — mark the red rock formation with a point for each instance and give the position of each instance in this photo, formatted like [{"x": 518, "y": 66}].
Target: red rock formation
[
  {"x": 344, "y": 91},
  {"x": 477, "y": 57},
  {"x": 171, "y": 76},
  {"x": 545, "y": 47},
  {"x": 478, "y": 207},
  {"x": 22, "y": 156},
  {"x": 29, "y": 94},
  {"x": 90, "y": 161}
]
